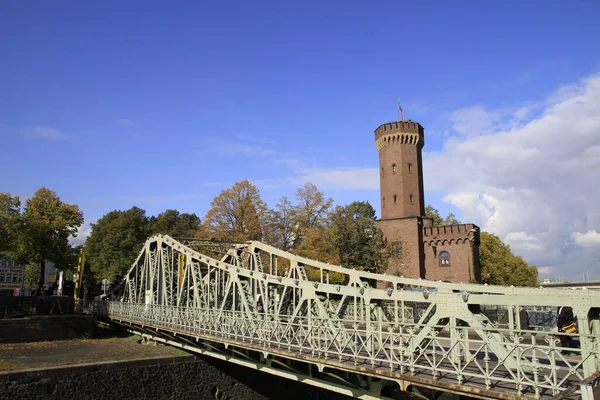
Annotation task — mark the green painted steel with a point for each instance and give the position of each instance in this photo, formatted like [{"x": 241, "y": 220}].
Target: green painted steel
[{"x": 484, "y": 341}]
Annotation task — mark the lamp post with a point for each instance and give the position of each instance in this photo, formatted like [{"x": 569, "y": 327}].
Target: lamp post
[{"x": 106, "y": 283}]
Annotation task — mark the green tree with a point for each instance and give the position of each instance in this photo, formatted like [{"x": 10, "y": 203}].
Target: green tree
[
  {"x": 115, "y": 241},
  {"x": 499, "y": 266},
  {"x": 280, "y": 225},
  {"x": 32, "y": 274},
  {"x": 434, "y": 214},
  {"x": 174, "y": 224},
  {"x": 311, "y": 211},
  {"x": 48, "y": 223},
  {"x": 237, "y": 213},
  {"x": 356, "y": 237},
  {"x": 10, "y": 225}
]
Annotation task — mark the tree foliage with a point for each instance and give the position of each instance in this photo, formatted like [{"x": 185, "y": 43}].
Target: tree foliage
[
  {"x": 48, "y": 223},
  {"x": 434, "y": 214},
  {"x": 318, "y": 244},
  {"x": 280, "y": 225},
  {"x": 174, "y": 224},
  {"x": 312, "y": 210},
  {"x": 236, "y": 213},
  {"x": 10, "y": 225},
  {"x": 115, "y": 242},
  {"x": 356, "y": 237},
  {"x": 499, "y": 266}
]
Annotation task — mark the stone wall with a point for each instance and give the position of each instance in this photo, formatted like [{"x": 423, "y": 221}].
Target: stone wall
[
  {"x": 37, "y": 328},
  {"x": 183, "y": 377}
]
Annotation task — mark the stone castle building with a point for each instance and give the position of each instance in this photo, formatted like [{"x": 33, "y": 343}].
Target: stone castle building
[{"x": 416, "y": 248}]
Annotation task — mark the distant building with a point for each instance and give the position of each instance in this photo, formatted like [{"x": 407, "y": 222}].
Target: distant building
[
  {"x": 11, "y": 278},
  {"x": 414, "y": 247}
]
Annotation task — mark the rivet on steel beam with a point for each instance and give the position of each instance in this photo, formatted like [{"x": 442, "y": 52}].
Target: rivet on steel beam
[
  {"x": 296, "y": 281},
  {"x": 389, "y": 291},
  {"x": 425, "y": 294},
  {"x": 337, "y": 288},
  {"x": 362, "y": 290},
  {"x": 465, "y": 296}
]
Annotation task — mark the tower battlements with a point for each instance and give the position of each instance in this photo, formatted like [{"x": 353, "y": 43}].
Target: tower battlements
[{"x": 398, "y": 127}]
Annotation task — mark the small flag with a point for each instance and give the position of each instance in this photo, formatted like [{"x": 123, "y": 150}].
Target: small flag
[{"x": 400, "y": 111}]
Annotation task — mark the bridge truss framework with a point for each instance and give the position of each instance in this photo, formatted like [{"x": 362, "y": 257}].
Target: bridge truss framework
[{"x": 258, "y": 306}]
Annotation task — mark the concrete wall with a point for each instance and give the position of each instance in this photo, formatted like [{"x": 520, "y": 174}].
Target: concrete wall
[{"x": 176, "y": 378}]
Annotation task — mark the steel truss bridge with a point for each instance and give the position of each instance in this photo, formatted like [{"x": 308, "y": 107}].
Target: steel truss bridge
[{"x": 358, "y": 333}]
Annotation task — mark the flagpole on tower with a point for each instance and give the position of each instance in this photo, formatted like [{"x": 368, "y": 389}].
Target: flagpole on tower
[{"x": 400, "y": 112}]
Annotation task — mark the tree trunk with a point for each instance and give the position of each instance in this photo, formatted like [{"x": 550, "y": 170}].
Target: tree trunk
[{"x": 42, "y": 278}]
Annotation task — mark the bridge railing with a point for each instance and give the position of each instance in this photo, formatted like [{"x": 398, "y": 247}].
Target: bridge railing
[{"x": 529, "y": 362}]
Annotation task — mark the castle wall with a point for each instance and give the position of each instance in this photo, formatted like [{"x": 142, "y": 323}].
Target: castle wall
[
  {"x": 461, "y": 245},
  {"x": 405, "y": 257}
]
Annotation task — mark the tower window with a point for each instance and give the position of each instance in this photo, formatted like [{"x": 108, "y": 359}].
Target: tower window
[
  {"x": 395, "y": 199},
  {"x": 383, "y": 202},
  {"x": 410, "y": 198},
  {"x": 409, "y": 167},
  {"x": 394, "y": 168},
  {"x": 382, "y": 172},
  {"x": 444, "y": 259}
]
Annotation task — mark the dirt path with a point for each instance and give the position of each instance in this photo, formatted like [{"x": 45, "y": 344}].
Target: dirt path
[{"x": 15, "y": 356}]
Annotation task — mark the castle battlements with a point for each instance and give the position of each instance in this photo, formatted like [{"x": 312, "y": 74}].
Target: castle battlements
[
  {"x": 459, "y": 233},
  {"x": 398, "y": 127}
]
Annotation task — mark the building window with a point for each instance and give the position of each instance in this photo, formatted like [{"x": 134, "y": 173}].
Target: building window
[
  {"x": 383, "y": 202},
  {"x": 396, "y": 249},
  {"x": 409, "y": 167},
  {"x": 382, "y": 172},
  {"x": 444, "y": 259},
  {"x": 14, "y": 278},
  {"x": 395, "y": 198},
  {"x": 2, "y": 277},
  {"x": 410, "y": 198},
  {"x": 394, "y": 168}
]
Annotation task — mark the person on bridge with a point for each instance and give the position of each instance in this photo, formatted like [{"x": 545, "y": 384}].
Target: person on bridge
[{"x": 566, "y": 323}]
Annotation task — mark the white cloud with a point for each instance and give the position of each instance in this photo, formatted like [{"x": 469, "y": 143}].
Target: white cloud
[
  {"x": 125, "y": 122},
  {"x": 44, "y": 132},
  {"x": 473, "y": 121},
  {"x": 534, "y": 183},
  {"x": 340, "y": 178},
  {"x": 589, "y": 239},
  {"x": 82, "y": 234}
]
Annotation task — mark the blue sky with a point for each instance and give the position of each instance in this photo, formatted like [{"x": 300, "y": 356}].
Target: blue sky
[{"x": 114, "y": 104}]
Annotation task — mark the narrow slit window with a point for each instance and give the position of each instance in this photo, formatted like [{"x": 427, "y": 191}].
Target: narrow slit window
[
  {"x": 383, "y": 202},
  {"x": 409, "y": 168},
  {"x": 395, "y": 199},
  {"x": 393, "y": 168},
  {"x": 410, "y": 198}
]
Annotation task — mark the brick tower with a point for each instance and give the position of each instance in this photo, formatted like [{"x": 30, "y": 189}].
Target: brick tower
[
  {"x": 401, "y": 169},
  {"x": 414, "y": 248},
  {"x": 402, "y": 200}
]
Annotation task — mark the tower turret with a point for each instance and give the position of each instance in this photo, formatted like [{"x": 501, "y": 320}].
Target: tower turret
[{"x": 400, "y": 169}]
